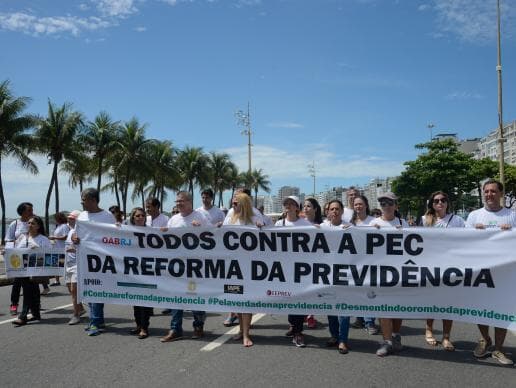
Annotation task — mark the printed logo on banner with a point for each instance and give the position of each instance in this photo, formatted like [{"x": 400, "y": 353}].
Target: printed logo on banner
[
  {"x": 287, "y": 294},
  {"x": 233, "y": 289},
  {"x": 327, "y": 295},
  {"x": 192, "y": 286},
  {"x": 117, "y": 241},
  {"x": 371, "y": 295},
  {"x": 15, "y": 261}
]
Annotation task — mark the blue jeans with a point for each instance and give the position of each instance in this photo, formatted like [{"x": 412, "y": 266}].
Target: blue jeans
[
  {"x": 339, "y": 327},
  {"x": 96, "y": 314},
  {"x": 176, "y": 323}
]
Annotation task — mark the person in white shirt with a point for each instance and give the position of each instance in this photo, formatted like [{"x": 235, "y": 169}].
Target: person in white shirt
[
  {"x": 291, "y": 210},
  {"x": 361, "y": 217},
  {"x": 187, "y": 217},
  {"x": 59, "y": 236},
  {"x": 438, "y": 216},
  {"x": 71, "y": 269},
  {"x": 34, "y": 238},
  {"x": 212, "y": 213},
  {"x": 15, "y": 230},
  {"x": 389, "y": 219},
  {"x": 155, "y": 218},
  {"x": 256, "y": 212},
  {"x": 351, "y": 194},
  {"x": 337, "y": 325},
  {"x": 492, "y": 215},
  {"x": 90, "y": 199},
  {"x": 267, "y": 221}
]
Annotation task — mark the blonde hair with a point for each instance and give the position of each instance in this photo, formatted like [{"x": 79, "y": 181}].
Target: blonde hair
[{"x": 245, "y": 216}]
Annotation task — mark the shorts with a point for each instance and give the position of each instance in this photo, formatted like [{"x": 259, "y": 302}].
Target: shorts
[{"x": 71, "y": 274}]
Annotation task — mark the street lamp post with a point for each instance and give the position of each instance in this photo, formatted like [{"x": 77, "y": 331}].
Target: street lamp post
[
  {"x": 311, "y": 170},
  {"x": 501, "y": 140},
  {"x": 244, "y": 119},
  {"x": 430, "y": 126}
]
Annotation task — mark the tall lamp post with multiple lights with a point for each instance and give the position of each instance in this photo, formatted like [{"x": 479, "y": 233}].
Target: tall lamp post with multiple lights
[
  {"x": 311, "y": 170},
  {"x": 244, "y": 119},
  {"x": 430, "y": 126},
  {"x": 501, "y": 139}
]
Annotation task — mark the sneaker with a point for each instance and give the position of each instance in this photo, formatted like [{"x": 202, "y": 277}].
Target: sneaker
[
  {"x": 74, "y": 320},
  {"x": 501, "y": 358},
  {"x": 396, "y": 343},
  {"x": 482, "y": 348},
  {"x": 82, "y": 312},
  {"x": 332, "y": 342},
  {"x": 13, "y": 309},
  {"x": 94, "y": 330},
  {"x": 45, "y": 291},
  {"x": 198, "y": 332},
  {"x": 171, "y": 336},
  {"x": 358, "y": 324},
  {"x": 290, "y": 332},
  {"x": 299, "y": 340},
  {"x": 385, "y": 349},
  {"x": 311, "y": 322},
  {"x": 371, "y": 329}
]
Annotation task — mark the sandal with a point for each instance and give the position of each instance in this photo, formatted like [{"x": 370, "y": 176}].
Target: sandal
[
  {"x": 430, "y": 339},
  {"x": 230, "y": 320},
  {"x": 447, "y": 345}
]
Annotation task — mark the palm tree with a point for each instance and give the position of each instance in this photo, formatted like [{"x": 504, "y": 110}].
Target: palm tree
[
  {"x": 15, "y": 141},
  {"x": 79, "y": 168},
  {"x": 219, "y": 166},
  {"x": 257, "y": 180},
  {"x": 99, "y": 136},
  {"x": 192, "y": 166},
  {"x": 56, "y": 138},
  {"x": 234, "y": 178},
  {"x": 132, "y": 150}
]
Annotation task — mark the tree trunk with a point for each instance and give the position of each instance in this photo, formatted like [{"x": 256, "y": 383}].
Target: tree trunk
[
  {"x": 47, "y": 200},
  {"x": 99, "y": 174},
  {"x": 115, "y": 184},
  {"x": 56, "y": 184},
  {"x": 2, "y": 202},
  {"x": 80, "y": 185},
  {"x": 161, "y": 195},
  {"x": 479, "y": 195},
  {"x": 256, "y": 197},
  {"x": 143, "y": 198}
]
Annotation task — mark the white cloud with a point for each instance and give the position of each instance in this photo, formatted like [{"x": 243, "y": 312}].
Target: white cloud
[
  {"x": 281, "y": 164},
  {"x": 423, "y": 7},
  {"x": 141, "y": 29},
  {"x": 464, "y": 95},
  {"x": 116, "y": 8},
  {"x": 473, "y": 20},
  {"x": 84, "y": 7},
  {"x": 32, "y": 25},
  {"x": 285, "y": 124}
]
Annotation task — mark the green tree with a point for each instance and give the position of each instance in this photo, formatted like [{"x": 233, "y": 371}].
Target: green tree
[
  {"x": 220, "y": 169},
  {"x": 100, "y": 136},
  {"x": 257, "y": 180},
  {"x": 441, "y": 167},
  {"x": 78, "y": 167},
  {"x": 192, "y": 167},
  {"x": 15, "y": 138},
  {"x": 56, "y": 138},
  {"x": 480, "y": 170}
]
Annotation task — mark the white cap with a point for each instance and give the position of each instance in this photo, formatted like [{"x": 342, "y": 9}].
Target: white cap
[{"x": 293, "y": 198}]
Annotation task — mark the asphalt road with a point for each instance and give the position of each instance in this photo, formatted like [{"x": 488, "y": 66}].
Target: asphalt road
[{"x": 52, "y": 353}]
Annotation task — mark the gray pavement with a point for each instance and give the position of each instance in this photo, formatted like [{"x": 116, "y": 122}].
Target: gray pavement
[{"x": 53, "y": 353}]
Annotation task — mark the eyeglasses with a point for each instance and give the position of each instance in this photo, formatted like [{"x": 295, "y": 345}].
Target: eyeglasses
[
  {"x": 386, "y": 203},
  {"x": 175, "y": 212},
  {"x": 437, "y": 200}
]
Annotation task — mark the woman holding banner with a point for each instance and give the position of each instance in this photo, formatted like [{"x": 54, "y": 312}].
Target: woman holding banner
[
  {"x": 141, "y": 314},
  {"x": 34, "y": 238},
  {"x": 243, "y": 215},
  {"x": 291, "y": 209},
  {"x": 338, "y": 325},
  {"x": 437, "y": 216},
  {"x": 389, "y": 219}
]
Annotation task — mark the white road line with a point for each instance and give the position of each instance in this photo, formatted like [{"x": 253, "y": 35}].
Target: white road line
[
  {"x": 226, "y": 336},
  {"x": 42, "y": 312}
]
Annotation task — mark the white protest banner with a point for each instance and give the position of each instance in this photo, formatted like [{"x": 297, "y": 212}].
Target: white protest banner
[
  {"x": 24, "y": 262},
  {"x": 458, "y": 274}
]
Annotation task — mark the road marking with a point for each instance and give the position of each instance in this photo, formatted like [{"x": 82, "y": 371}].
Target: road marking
[
  {"x": 42, "y": 312},
  {"x": 229, "y": 334}
]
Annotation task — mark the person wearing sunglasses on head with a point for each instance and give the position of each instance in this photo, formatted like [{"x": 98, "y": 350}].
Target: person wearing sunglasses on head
[
  {"x": 438, "y": 216},
  {"x": 389, "y": 219}
]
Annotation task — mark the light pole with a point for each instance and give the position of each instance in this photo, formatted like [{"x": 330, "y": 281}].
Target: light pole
[
  {"x": 500, "y": 111},
  {"x": 430, "y": 126},
  {"x": 311, "y": 170},
  {"x": 244, "y": 119}
]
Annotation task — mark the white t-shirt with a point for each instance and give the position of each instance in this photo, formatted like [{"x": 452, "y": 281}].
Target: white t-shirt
[
  {"x": 214, "y": 215},
  {"x": 267, "y": 221},
  {"x": 256, "y": 212},
  {"x": 326, "y": 224},
  {"x": 254, "y": 220},
  {"x": 178, "y": 221},
  {"x": 39, "y": 241},
  {"x": 366, "y": 222},
  {"x": 395, "y": 223},
  {"x": 491, "y": 219},
  {"x": 101, "y": 217},
  {"x": 347, "y": 215},
  {"x": 160, "y": 221},
  {"x": 449, "y": 221},
  {"x": 61, "y": 231},
  {"x": 299, "y": 222},
  {"x": 15, "y": 230},
  {"x": 71, "y": 257}
]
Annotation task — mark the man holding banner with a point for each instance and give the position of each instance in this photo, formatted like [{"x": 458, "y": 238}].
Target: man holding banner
[
  {"x": 492, "y": 215},
  {"x": 185, "y": 218}
]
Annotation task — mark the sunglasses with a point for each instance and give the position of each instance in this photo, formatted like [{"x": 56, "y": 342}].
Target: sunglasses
[
  {"x": 235, "y": 203},
  {"x": 139, "y": 215},
  {"x": 386, "y": 203},
  {"x": 437, "y": 200}
]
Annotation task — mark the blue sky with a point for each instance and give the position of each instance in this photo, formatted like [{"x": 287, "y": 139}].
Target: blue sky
[{"x": 350, "y": 84}]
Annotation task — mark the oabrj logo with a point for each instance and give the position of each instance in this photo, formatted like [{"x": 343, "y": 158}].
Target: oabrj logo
[{"x": 117, "y": 241}]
